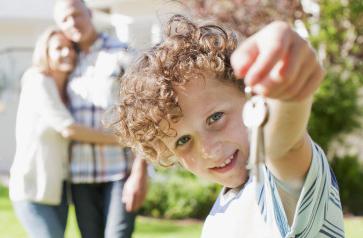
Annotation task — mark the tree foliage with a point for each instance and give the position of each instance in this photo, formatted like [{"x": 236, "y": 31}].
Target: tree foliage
[
  {"x": 350, "y": 172},
  {"x": 246, "y": 16},
  {"x": 340, "y": 38}
]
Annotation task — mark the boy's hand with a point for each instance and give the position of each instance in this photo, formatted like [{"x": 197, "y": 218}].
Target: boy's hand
[{"x": 277, "y": 63}]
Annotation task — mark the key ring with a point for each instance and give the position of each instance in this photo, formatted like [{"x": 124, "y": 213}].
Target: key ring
[{"x": 248, "y": 92}]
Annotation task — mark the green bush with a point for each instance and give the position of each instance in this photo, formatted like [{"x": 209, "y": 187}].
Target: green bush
[
  {"x": 335, "y": 111},
  {"x": 175, "y": 193},
  {"x": 339, "y": 37},
  {"x": 349, "y": 173}
]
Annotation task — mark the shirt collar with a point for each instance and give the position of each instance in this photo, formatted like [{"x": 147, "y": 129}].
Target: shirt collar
[
  {"x": 98, "y": 44},
  {"x": 227, "y": 194}
]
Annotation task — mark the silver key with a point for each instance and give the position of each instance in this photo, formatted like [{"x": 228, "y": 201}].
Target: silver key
[{"x": 255, "y": 115}]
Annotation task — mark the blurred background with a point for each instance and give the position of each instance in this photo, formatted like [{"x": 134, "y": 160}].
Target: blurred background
[
  {"x": 22, "y": 21},
  {"x": 334, "y": 28}
]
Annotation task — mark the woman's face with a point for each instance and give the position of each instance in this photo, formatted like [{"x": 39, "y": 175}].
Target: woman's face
[{"x": 61, "y": 54}]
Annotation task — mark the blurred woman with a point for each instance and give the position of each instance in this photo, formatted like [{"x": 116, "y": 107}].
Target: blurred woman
[{"x": 43, "y": 127}]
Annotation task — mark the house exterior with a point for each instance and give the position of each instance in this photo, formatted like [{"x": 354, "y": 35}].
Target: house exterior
[{"x": 21, "y": 22}]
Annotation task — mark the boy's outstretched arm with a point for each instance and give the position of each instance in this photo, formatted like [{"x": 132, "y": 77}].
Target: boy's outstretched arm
[{"x": 277, "y": 63}]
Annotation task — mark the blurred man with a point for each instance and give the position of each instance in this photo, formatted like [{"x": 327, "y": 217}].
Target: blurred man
[{"x": 106, "y": 189}]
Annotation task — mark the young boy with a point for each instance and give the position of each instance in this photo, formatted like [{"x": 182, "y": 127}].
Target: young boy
[{"x": 181, "y": 102}]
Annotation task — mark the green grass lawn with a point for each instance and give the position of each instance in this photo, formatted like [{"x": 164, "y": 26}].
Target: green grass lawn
[{"x": 145, "y": 227}]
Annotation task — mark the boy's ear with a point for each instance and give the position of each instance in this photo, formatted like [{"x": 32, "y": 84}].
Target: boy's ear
[
  {"x": 178, "y": 163},
  {"x": 169, "y": 161},
  {"x": 164, "y": 156}
]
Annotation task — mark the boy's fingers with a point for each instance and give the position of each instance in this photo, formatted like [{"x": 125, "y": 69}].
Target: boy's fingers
[
  {"x": 312, "y": 84},
  {"x": 266, "y": 60},
  {"x": 294, "y": 82},
  {"x": 243, "y": 57},
  {"x": 269, "y": 88},
  {"x": 295, "y": 88},
  {"x": 272, "y": 85},
  {"x": 293, "y": 62}
]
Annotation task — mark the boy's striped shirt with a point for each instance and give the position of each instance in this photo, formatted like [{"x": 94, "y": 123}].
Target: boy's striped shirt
[{"x": 257, "y": 210}]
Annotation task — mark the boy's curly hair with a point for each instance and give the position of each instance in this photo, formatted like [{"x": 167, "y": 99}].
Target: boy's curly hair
[{"x": 148, "y": 101}]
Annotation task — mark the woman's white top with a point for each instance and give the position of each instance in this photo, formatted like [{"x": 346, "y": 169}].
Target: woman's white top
[{"x": 41, "y": 162}]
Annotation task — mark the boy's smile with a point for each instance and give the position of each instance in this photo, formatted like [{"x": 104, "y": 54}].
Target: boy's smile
[{"x": 211, "y": 140}]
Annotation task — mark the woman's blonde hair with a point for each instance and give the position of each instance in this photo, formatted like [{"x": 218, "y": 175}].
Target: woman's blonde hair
[{"x": 40, "y": 55}]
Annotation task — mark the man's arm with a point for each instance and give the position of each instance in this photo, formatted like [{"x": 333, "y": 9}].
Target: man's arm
[
  {"x": 285, "y": 70},
  {"x": 135, "y": 188}
]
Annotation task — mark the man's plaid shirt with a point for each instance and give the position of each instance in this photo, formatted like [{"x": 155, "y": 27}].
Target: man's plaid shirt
[{"x": 92, "y": 88}]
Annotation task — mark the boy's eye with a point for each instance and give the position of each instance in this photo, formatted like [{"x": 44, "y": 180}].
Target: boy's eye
[
  {"x": 214, "y": 117},
  {"x": 182, "y": 141}
]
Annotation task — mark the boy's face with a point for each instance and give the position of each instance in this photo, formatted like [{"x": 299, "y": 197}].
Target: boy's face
[{"x": 211, "y": 139}]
